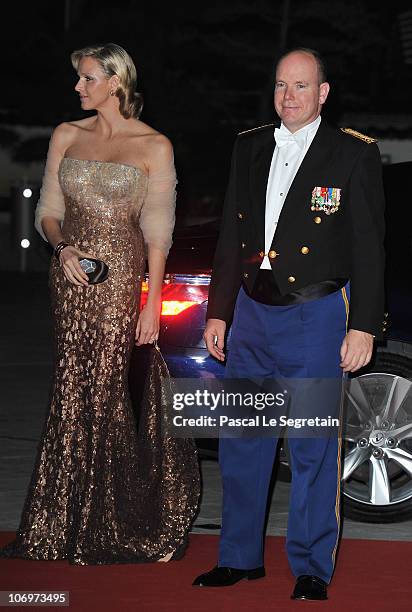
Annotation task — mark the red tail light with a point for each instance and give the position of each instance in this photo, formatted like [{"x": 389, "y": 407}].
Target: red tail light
[{"x": 179, "y": 293}]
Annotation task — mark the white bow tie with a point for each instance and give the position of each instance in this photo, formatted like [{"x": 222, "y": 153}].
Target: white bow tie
[{"x": 283, "y": 138}]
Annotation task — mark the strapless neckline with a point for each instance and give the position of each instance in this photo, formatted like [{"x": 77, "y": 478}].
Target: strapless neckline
[{"x": 107, "y": 163}]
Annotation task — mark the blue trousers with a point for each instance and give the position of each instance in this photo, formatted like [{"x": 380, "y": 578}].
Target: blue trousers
[{"x": 299, "y": 341}]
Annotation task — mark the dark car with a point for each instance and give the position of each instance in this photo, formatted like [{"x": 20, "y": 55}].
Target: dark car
[{"x": 377, "y": 460}]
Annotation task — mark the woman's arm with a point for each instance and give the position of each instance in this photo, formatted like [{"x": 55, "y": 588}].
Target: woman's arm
[
  {"x": 50, "y": 208},
  {"x": 157, "y": 222},
  {"x": 147, "y": 329},
  {"x": 52, "y": 230}
]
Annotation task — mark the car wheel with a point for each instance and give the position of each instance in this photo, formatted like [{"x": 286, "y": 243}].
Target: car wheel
[{"x": 377, "y": 442}]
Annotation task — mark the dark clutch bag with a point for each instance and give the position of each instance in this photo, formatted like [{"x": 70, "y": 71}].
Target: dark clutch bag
[{"x": 96, "y": 270}]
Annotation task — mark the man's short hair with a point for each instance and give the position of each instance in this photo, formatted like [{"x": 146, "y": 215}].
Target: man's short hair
[{"x": 322, "y": 72}]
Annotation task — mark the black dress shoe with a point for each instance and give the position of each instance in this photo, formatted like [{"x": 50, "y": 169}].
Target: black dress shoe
[
  {"x": 310, "y": 587},
  {"x": 226, "y": 576}
]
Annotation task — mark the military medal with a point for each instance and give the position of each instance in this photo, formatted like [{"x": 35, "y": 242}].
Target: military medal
[{"x": 326, "y": 199}]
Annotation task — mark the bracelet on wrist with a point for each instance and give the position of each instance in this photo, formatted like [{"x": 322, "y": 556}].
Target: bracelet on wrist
[{"x": 59, "y": 248}]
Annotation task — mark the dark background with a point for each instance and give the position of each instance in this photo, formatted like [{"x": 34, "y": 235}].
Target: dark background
[{"x": 206, "y": 70}]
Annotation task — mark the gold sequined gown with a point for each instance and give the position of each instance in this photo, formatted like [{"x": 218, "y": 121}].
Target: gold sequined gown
[{"x": 103, "y": 491}]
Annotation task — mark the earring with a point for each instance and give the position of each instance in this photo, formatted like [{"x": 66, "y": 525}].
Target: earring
[{"x": 111, "y": 92}]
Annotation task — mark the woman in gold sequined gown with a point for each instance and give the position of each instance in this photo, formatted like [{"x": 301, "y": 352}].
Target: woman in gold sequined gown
[{"x": 103, "y": 490}]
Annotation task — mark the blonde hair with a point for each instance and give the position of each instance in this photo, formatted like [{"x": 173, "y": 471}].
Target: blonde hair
[{"x": 114, "y": 60}]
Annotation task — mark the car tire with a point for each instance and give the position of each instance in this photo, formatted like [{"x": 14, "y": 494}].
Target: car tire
[{"x": 395, "y": 372}]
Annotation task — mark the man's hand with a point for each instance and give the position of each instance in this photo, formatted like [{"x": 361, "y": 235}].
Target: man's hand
[
  {"x": 356, "y": 350},
  {"x": 214, "y": 336}
]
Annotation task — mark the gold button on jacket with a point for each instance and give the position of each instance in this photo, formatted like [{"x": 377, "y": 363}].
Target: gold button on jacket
[
  {"x": 291, "y": 279},
  {"x": 304, "y": 250},
  {"x": 317, "y": 220},
  {"x": 273, "y": 254}
]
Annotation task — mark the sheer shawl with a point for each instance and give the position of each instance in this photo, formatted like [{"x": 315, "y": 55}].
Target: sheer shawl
[
  {"x": 51, "y": 201},
  {"x": 157, "y": 217}
]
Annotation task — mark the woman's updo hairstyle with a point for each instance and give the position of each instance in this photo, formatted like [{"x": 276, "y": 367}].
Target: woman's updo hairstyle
[{"x": 114, "y": 60}]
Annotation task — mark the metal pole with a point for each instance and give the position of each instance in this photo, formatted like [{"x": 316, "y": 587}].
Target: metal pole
[{"x": 23, "y": 204}]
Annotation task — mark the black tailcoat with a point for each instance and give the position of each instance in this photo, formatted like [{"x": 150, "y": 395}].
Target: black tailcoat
[{"x": 308, "y": 246}]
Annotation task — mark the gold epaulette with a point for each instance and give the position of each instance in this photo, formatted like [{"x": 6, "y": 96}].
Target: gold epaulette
[
  {"x": 260, "y": 127},
  {"x": 359, "y": 135}
]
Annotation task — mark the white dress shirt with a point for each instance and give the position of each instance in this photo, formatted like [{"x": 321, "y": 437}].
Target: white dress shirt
[{"x": 288, "y": 155}]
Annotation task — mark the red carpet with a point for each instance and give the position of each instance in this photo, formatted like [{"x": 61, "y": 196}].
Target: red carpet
[{"x": 370, "y": 575}]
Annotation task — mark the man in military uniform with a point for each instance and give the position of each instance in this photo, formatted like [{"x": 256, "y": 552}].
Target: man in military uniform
[{"x": 299, "y": 266}]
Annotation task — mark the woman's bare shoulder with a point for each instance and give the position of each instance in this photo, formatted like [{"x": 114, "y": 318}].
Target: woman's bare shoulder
[
  {"x": 66, "y": 132},
  {"x": 140, "y": 128},
  {"x": 158, "y": 150},
  {"x": 152, "y": 137}
]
